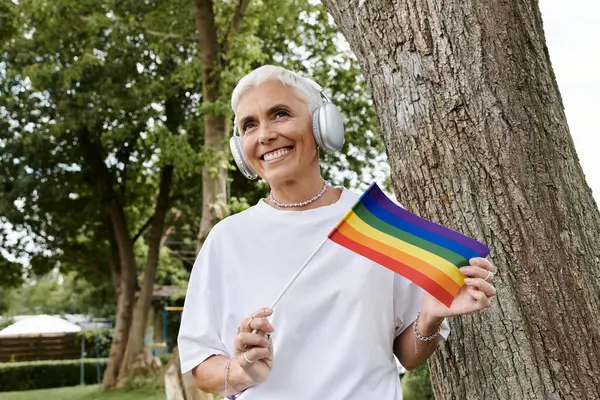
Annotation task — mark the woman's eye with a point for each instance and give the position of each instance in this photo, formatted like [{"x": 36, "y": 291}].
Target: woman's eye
[
  {"x": 281, "y": 114},
  {"x": 247, "y": 125}
]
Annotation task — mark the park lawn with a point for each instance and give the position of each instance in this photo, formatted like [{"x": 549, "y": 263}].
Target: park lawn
[{"x": 90, "y": 392}]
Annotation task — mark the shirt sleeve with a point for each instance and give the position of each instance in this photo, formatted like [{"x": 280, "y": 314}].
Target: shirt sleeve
[
  {"x": 407, "y": 304},
  {"x": 200, "y": 329}
]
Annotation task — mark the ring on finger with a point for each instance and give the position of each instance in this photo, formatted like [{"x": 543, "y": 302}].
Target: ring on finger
[
  {"x": 488, "y": 275},
  {"x": 248, "y": 360}
]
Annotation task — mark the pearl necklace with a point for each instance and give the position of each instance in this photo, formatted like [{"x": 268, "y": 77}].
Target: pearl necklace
[{"x": 302, "y": 203}]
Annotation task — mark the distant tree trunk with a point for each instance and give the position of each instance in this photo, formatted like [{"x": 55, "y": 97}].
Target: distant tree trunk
[
  {"x": 126, "y": 298},
  {"x": 477, "y": 140},
  {"x": 134, "y": 353},
  {"x": 121, "y": 243},
  {"x": 214, "y": 176},
  {"x": 114, "y": 262}
]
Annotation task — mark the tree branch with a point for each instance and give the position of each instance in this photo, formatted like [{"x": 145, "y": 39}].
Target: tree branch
[
  {"x": 235, "y": 25},
  {"x": 169, "y": 230},
  {"x": 74, "y": 258},
  {"x": 143, "y": 229},
  {"x": 189, "y": 260}
]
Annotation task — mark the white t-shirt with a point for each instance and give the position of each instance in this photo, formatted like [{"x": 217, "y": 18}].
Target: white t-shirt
[{"x": 334, "y": 328}]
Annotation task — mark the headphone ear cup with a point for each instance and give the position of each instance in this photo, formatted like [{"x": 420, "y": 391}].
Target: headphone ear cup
[
  {"x": 328, "y": 127},
  {"x": 235, "y": 144}
]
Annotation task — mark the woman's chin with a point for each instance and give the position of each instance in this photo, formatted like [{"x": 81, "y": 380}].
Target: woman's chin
[{"x": 279, "y": 173}]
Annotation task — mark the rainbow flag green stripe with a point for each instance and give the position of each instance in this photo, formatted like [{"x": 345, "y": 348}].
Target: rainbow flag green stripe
[{"x": 422, "y": 251}]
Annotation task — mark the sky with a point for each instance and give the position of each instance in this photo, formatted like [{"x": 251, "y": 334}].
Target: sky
[{"x": 572, "y": 30}]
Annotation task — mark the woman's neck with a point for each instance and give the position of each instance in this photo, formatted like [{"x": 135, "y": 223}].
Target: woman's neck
[{"x": 291, "y": 192}]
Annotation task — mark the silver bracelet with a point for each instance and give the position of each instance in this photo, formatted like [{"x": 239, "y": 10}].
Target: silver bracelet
[
  {"x": 227, "y": 385},
  {"x": 418, "y": 334}
]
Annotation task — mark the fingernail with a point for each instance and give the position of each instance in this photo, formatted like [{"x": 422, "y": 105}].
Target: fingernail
[
  {"x": 468, "y": 280},
  {"x": 464, "y": 270}
]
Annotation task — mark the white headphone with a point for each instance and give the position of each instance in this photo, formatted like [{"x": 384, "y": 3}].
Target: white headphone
[{"x": 328, "y": 131}]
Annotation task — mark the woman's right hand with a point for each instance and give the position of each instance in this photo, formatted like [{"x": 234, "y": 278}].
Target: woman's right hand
[{"x": 254, "y": 351}]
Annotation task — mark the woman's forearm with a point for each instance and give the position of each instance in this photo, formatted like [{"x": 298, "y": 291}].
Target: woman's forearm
[
  {"x": 406, "y": 343},
  {"x": 210, "y": 377}
]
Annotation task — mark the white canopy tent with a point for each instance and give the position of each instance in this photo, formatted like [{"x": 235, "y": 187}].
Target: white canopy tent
[{"x": 39, "y": 324}]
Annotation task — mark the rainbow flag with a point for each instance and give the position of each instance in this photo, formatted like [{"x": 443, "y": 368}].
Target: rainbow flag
[{"x": 424, "y": 252}]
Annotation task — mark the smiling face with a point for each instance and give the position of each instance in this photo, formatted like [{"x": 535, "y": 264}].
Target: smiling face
[{"x": 276, "y": 128}]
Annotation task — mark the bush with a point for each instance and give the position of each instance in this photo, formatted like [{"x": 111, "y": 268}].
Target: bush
[
  {"x": 416, "y": 384},
  {"x": 48, "y": 374},
  {"x": 97, "y": 343}
]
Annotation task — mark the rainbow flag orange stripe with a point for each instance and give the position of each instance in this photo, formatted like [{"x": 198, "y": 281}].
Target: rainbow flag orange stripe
[{"x": 422, "y": 251}]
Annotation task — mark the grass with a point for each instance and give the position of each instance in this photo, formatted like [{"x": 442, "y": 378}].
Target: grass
[{"x": 91, "y": 392}]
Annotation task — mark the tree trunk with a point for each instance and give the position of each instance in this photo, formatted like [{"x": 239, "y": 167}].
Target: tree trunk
[
  {"x": 214, "y": 175},
  {"x": 126, "y": 298},
  {"x": 477, "y": 140},
  {"x": 115, "y": 262},
  {"x": 122, "y": 268},
  {"x": 135, "y": 356}
]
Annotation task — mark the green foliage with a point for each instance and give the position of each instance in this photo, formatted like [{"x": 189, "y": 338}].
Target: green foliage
[
  {"x": 416, "y": 384},
  {"x": 12, "y": 272},
  {"x": 82, "y": 84},
  {"x": 8, "y": 301},
  {"x": 170, "y": 271},
  {"x": 54, "y": 293},
  {"x": 97, "y": 343},
  {"x": 238, "y": 205},
  {"x": 47, "y": 374}
]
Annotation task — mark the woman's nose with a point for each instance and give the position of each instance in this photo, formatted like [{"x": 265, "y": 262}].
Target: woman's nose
[{"x": 267, "y": 134}]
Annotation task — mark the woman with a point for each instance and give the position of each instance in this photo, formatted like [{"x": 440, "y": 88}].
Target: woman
[{"x": 335, "y": 332}]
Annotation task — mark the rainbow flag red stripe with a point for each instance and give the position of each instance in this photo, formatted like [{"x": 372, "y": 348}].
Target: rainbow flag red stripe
[{"x": 422, "y": 251}]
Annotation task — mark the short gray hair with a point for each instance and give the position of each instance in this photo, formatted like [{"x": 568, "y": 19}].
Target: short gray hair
[{"x": 309, "y": 90}]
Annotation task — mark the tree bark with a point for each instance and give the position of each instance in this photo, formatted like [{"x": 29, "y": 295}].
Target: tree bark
[
  {"x": 214, "y": 176},
  {"x": 115, "y": 262},
  {"x": 477, "y": 140},
  {"x": 126, "y": 298},
  {"x": 135, "y": 356}
]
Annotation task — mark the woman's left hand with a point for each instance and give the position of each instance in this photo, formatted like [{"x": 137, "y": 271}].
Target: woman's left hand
[{"x": 473, "y": 296}]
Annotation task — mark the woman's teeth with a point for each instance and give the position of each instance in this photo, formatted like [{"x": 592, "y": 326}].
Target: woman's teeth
[{"x": 276, "y": 154}]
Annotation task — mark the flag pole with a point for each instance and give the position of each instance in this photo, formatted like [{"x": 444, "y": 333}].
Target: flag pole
[
  {"x": 285, "y": 289},
  {"x": 335, "y": 228},
  {"x": 297, "y": 274}
]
